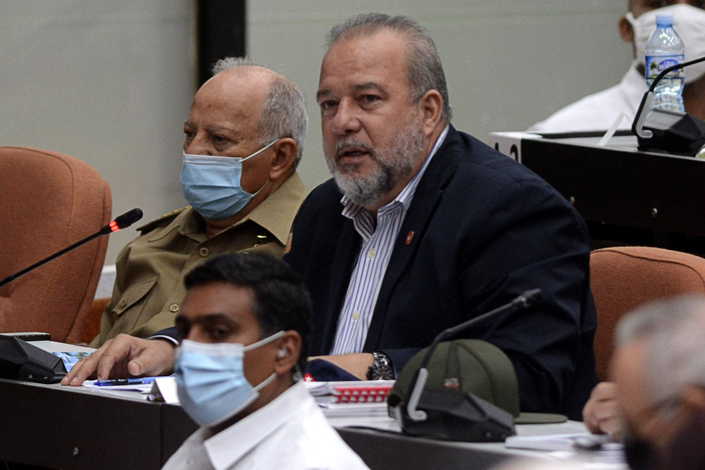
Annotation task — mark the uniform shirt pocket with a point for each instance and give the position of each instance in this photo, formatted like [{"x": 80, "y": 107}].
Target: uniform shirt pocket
[{"x": 135, "y": 293}]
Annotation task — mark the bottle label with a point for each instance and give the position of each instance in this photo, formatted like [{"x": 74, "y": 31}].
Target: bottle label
[{"x": 656, "y": 63}]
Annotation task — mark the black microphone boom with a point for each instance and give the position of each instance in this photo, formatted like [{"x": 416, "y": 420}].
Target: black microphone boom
[
  {"x": 452, "y": 414},
  {"x": 674, "y": 132},
  {"x": 120, "y": 222}
]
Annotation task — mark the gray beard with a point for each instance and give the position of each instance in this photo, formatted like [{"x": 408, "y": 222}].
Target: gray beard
[{"x": 394, "y": 163}]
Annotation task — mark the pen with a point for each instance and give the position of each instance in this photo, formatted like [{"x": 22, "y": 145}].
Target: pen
[{"x": 134, "y": 381}]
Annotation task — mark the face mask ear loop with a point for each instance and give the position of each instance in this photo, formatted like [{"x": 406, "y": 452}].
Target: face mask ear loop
[
  {"x": 259, "y": 151},
  {"x": 264, "y": 383},
  {"x": 254, "y": 155},
  {"x": 264, "y": 341}
]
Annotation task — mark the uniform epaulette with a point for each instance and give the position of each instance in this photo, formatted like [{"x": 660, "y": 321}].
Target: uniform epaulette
[{"x": 168, "y": 216}]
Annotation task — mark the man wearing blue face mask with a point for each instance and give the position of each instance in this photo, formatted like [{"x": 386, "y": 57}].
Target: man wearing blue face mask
[
  {"x": 243, "y": 140},
  {"x": 600, "y": 110},
  {"x": 245, "y": 321}
]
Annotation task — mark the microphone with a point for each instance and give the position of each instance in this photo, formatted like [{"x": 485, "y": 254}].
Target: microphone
[
  {"x": 119, "y": 223},
  {"x": 122, "y": 221},
  {"x": 447, "y": 415},
  {"x": 672, "y": 131}
]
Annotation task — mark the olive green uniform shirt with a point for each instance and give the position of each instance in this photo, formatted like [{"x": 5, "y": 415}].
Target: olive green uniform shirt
[{"x": 149, "y": 287}]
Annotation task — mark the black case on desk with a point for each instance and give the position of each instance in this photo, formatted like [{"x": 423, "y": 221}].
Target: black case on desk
[
  {"x": 20, "y": 360},
  {"x": 627, "y": 197}
]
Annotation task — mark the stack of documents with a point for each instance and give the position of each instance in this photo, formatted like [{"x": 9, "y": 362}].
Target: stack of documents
[{"x": 349, "y": 399}]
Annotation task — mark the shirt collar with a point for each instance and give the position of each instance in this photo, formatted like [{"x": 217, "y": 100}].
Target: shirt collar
[
  {"x": 230, "y": 445},
  {"x": 406, "y": 195}
]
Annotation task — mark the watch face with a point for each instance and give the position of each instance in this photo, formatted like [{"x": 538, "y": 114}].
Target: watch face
[{"x": 381, "y": 368}]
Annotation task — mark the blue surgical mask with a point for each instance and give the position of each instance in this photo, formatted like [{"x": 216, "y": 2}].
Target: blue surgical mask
[
  {"x": 210, "y": 379},
  {"x": 213, "y": 184}
]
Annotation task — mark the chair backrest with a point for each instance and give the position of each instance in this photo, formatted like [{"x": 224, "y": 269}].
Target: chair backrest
[
  {"x": 49, "y": 201},
  {"x": 622, "y": 278}
]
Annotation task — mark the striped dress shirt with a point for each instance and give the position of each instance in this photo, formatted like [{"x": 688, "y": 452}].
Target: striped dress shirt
[{"x": 379, "y": 233}]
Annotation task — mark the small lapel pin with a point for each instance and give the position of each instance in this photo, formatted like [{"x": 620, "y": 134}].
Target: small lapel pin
[{"x": 409, "y": 238}]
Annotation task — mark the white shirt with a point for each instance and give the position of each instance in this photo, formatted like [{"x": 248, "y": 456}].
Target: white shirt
[
  {"x": 379, "y": 235},
  {"x": 599, "y": 111},
  {"x": 290, "y": 432}
]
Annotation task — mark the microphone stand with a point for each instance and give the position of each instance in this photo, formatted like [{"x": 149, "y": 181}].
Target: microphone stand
[
  {"x": 648, "y": 98},
  {"x": 525, "y": 300},
  {"x": 120, "y": 222}
]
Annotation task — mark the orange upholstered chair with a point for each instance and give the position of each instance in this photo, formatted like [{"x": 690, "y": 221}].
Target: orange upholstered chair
[
  {"x": 622, "y": 278},
  {"x": 49, "y": 200}
]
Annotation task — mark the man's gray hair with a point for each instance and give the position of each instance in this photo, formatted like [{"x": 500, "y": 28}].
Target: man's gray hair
[
  {"x": 425, "y": 71},
  {"x": 673, "y": 332},
  {"x": 284, "y": 110}
]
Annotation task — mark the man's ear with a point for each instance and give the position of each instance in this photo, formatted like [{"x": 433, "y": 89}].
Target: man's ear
[
  {"x": 286, "y": 151},
  {"x": 626, "y": 32},
  {"x": 288, "y": 352},
  {"x": 431, "y": 105}
]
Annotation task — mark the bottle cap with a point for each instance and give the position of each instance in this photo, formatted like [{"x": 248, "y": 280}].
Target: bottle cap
[{"x": 664, "y": 20}]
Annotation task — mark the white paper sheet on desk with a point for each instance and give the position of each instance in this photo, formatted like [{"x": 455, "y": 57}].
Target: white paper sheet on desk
[
  {"x": 554, "y": 442},
  {"x": 351, "y": 410},
  {"x": 164, "y": 390}
]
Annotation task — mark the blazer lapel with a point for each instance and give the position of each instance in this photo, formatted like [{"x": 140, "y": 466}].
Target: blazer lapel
[{"x": 428, "y": 195}]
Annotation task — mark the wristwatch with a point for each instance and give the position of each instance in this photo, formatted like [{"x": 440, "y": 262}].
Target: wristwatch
[{"x": 381, "y": 368}]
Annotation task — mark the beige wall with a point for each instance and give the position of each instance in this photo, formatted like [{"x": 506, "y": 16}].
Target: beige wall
[{"x": 111, "y": 81}]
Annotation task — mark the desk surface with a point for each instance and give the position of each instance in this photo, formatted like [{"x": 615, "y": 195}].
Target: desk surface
[{"x": 73, "y": 427}]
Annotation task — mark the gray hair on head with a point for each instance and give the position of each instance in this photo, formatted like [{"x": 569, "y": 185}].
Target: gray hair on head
[
  {"x": 284, "y": 111},
  {"x": 673, "y": 334},
  {"x": 425, "y": 71}
]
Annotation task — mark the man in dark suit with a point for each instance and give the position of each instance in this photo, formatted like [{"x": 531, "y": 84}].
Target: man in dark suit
[{"x": 424, "y": 227}]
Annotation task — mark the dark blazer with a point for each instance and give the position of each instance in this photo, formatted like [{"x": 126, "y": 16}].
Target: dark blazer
[{"x": 485, "y": 229}]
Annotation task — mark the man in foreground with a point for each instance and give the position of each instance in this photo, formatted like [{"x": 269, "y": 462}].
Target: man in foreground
[
  {"x": 659, "y": 379},
  {"x": 245, "y": 324},
  {"x": 242, "y": 142},
  {"x": 599, "y": 111},
  {"x": 422, "y": 228}
]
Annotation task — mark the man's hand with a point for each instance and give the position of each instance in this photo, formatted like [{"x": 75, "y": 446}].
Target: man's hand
[
  {"x": 357, "y": 364},
  {"x": 124, "y": 356},
  {"x": 601, "y": 412}
]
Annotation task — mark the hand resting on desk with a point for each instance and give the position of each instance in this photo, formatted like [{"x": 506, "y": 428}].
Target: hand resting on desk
[
  {"x": 124, "y": 356},
  {"x": 601, "y": 412}
]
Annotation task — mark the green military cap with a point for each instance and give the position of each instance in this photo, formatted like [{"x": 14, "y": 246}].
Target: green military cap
[{"x": 470, "y": 366}]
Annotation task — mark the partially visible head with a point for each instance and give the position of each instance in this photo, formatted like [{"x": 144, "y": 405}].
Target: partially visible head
[
  {"x": 689, "y": 21},
  {"x": 384, "y": 100},
  {"x": 242, "y": 108},
  {"x": 243, "y": 298},
  {"x": 639, "y": 7},
  {"x": 658, "y": 370}
]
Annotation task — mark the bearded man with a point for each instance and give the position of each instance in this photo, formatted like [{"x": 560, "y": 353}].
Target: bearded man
[{"x": 424, "y": 227}]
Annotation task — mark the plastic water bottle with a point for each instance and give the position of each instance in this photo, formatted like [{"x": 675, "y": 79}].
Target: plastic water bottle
[{"x": 664, "y": 49}]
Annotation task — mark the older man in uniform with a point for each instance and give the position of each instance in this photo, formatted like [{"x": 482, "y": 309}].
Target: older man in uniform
[{"x": 236, "y": 203}]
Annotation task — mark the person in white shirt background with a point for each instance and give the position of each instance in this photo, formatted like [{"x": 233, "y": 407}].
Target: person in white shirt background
[
  {"x": 245, "y": 320},
  {"x": 600, "y": 110}
]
